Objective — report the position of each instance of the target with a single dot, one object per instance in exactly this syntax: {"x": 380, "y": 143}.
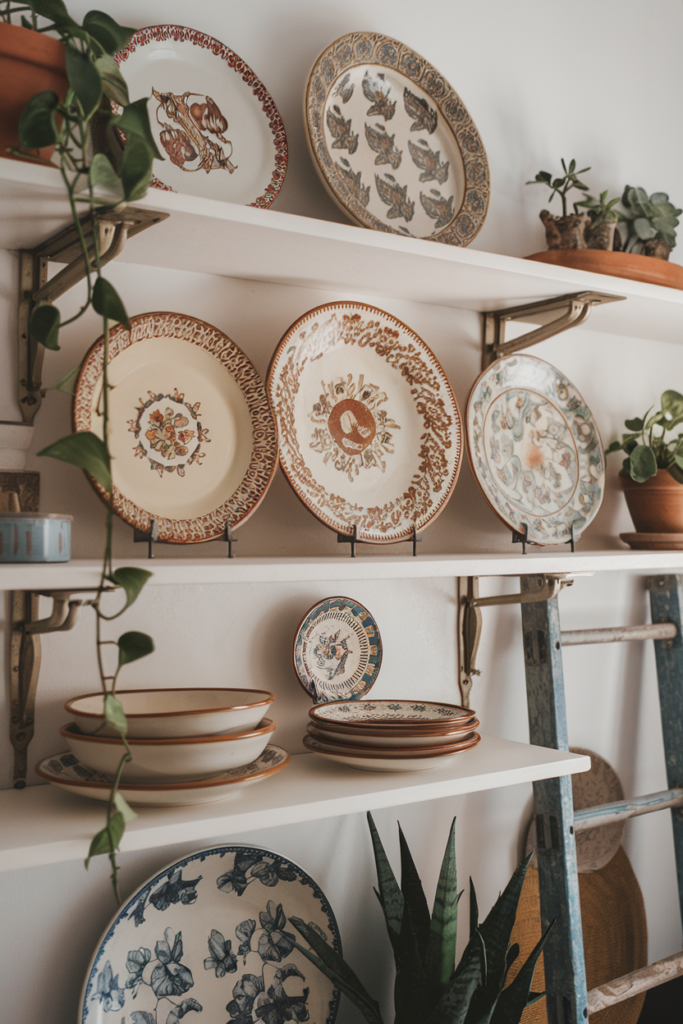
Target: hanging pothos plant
{"x": 94, "y": 78}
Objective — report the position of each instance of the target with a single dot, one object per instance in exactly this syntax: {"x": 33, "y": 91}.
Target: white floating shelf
{"x": 44, "y": 825}
{"x": 212, "y": 237}
{"x": 189, "y": 571}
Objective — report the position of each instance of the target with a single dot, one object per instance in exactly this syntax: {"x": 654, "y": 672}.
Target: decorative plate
{"x": 535, "y": 449}
{"x": 337, "y": 650}
{"x": 229, "y": 145}
{"x": 191, "y": 433}
{"x": 211, "y": 933}
{"x": 381, "y": 761}
{"x": 393, "y": 143}
{"x": 370, "y": 432}
{"x": 360, "y": 749}
{"x": 369, "y": 737}
{"x": 66, "y": 772}
{"x": 413, "y": 716}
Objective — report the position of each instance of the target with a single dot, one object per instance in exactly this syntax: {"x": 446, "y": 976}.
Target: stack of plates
{"x": 390, "y": 735}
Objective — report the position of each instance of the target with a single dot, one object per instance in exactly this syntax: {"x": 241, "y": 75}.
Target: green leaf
{"x": 614, "y": 447}
{"x": 134, "y": 645}
{"x": 103, "y": 175}
{"x": 634, "y": 424}
{"x": 44, "y": 326}
{"x": 124, "y": 807}
{"x": 132, "y": 580}
{"x": 37, "y": 126}
{"x": 107, "y": 841}
{"x": 643, "y": 463}
{"x": 454, "y": 1005}
{"x": 84, "y": 79}
{"x": 474, "y": 910}
{"x": 114, "y": 85}
{"x": 515, "y": 998}
{"x": 85, "y": 450}
{"x": 443, "y": 929}
{"x": 134, "y": 120}
{"x": 672, "y": 402}
{"x": 410, "y": 995}
{"x": 111, "y": 36}
{"x": 643, "y": 229}
{"x": 135, "y": 170}
{"x": 68, "y": 383}
{"x": 390, "y": 895}
{"x": 676, "y": 471}
{"x": 337, "y": 970}
{"x": 106, "y": 302}
{"x": 114, "y": 714}
{"x": 413, "y": 895}
{"x": 52, "y": 9}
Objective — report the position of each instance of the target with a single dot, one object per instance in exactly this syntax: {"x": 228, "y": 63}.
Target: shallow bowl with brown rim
{"x": 406, "y": 715}
{"x": 189, "y": 757}
{"x": 175, "y": 711}
{"x": 368, "y": 760}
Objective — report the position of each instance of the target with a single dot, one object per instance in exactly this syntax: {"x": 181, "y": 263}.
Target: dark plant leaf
{"x": 84, "y": 79}
{"x": 132, "y": 580}
{"x": 111, "y": 36}
{"x": 135, "y": 170}
{"x": 44, "y": 326}
{"x": 614, "y": 447}
{"x": 52, "y": 9}
{"x": 37, "y": 126}
{"x": 134, "y": 645}
{"x": 515, "y": 998}
{"x": 676, "y": 471}
{"x": 443, "y": 931}
{"x": 85, "y": 450}
{"x": 411, "y": 998}
{"x": 672, "y": 402}
{"x": 107, "y": 302}
{"x": 114, "y": 714}
{"x": 103, "y": 175}
{"x": 390, "y": 895}
{"x": 134, "y": 120}
{"x": 634, "y": 424}
{"x": 474, "y": 910}
{"x": 643, "y": 463}
{"x": 114, "y": 85}
{"x": 455, "y": 1002}
{"x": 107, "y": 841}
{"x": 414, "y": 898}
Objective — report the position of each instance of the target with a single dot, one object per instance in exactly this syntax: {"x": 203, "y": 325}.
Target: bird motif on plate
{"x": 424, "y": 117}
{"x": 360, "y": 192}
{"x": 438, "y": 208}
{"x": 428, "y": 161}
{"x": 344, "y": 90}
{"x": 377, "y": 91}
{"x": 383, "y": 145}
{"x": 340, "y": 130}
{"x": 395, "y": 196}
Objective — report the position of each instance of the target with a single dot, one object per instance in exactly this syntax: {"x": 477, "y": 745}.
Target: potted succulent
{"x": 569, "y": 230}
{"x": 603, "y": 218}
{"x": 652, "y": 471}
{"x": 650, "y": 222}
{"x": 429, "y": 987}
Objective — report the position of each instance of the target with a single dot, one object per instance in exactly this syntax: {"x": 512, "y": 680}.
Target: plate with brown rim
{"x": 370, "y": 431}
{"x": 193, "y": 441}
{"x": 393, "y": 142}
{"x": 413, "y": 716}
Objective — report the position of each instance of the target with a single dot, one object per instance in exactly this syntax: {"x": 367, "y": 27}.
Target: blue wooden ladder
{"x": 568, "y": 1001}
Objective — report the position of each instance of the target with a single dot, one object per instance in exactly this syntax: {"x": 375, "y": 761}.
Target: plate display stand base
{"x": 151, "y": 537}
{"x": 523, "y": 538}
{"x": 352, "y": 539}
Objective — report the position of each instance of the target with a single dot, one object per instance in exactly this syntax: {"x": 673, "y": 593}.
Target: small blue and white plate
{"x": 209, "y": 939}
{"x": 337, "y": 650}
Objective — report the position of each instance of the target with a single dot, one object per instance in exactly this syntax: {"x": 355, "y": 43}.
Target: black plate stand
{"x": 343, "y": 538}
{"x": 523, "y": 538}
{"x": 151, "y": 538}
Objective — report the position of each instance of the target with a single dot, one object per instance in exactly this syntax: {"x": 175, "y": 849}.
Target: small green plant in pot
{"x": 600, "y": 233}
{"x": 652, "y": 471}
{"x": 650, "y": 222}
{"x": 429, "y": 988}
{"x": 569, "y": 230}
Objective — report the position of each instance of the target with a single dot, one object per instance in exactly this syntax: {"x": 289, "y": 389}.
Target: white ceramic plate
{"x": 192, "y": 437}
{"x": 410, "y": 715}
{"x": 337, "y": 650}
{"x": 210, "y": 937}
{"x": 393, "y": 142}
{"x": 535, "y": 449}
{"x": 65, "y": 771}
{"x": 367, "y": 738}
{"x": 176, "y": 711}
{"x": 213, "y": 121}
{"x": 370, "y": 431}
{"x": 374, "y": 761}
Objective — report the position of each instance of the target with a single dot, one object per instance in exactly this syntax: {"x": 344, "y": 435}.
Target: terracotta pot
{"x": 30, "y": 62}
{"x": 618, "y": 264}
{"x": 657, "y": 505}
{"x": 565, "y": 232}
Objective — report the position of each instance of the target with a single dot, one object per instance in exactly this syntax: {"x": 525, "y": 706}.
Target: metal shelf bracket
{"x": 552, "y": 315}
{"x": 113, "y": 228}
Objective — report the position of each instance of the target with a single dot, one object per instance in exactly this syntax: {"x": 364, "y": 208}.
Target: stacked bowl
{"x": 390, "y": 735}
{"x": 188, "y": 744}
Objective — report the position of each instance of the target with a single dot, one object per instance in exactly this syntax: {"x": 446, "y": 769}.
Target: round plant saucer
{"x": 619, "y": 264}
{"x": 653, "y": 541}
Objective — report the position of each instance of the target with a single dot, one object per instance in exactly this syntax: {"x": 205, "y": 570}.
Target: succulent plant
{"x": 647, "y": 219}
{"x": 601, "y": 209}
{"x": 429, "y": 988}
{"x": 648, "y": 451}
{"x": 561, "y": 186}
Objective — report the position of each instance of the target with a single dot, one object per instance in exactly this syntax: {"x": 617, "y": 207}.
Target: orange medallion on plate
{"x": 352, "y": 425}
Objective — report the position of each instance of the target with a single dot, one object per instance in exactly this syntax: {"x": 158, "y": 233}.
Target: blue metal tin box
{"x": 35, "y": 537}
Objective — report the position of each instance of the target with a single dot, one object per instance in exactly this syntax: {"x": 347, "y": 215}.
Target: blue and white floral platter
{"x": 209, "y": 938}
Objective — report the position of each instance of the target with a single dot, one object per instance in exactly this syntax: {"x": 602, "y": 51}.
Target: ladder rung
{"x": 620, "y": 810}
{"x": 634, "y": 983}
{"x": 655, "y": 631}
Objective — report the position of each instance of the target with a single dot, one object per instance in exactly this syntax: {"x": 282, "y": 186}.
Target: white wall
{"x": 540, "y": 83}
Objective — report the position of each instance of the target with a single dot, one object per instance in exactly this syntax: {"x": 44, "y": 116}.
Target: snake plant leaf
{"x": 114, "y": 714}
{"x": 410, "y": 993}
{"x": 111, "y": 36}
{"x": 454, "y": 1005}
{"x": 107, "y": 841}
{"x": 107, "y": 302}
{"x": 135, "y": 170}
{"x": 474, "y": 910}
{"x": 134, "y": 120}
{"x": 414, "y": 898}
{"x": 517, "y": 996}
{"x": 337, "y": 970}
{"x": 643, "y": 463}
{"x": 37, "y": 127}
{"x": 390, "y": 895}
{"x": 443, "y": 929}
{"x": 44, "y": 326}
{"x": 132, "y": 580}
{"x": 85, "y": 450}
{"x": 84, "y": 79}
{"x": 134, "y": 645}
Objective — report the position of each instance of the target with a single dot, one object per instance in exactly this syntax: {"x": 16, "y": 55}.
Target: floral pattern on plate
{"x": 393, "y": 142}
{"x": 535, "y": 449}
{"x": 393, "y": 711}
{"x": 210, "y": 937}
{"x": 337, "y": 650}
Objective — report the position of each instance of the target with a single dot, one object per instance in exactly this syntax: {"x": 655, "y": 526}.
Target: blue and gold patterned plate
{"x": 209, "y": 939}
{"x": 535, "y": 449}
{"x": 337, "y": 650}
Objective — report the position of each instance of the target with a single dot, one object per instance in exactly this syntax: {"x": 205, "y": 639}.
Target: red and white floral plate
{"x": 192, "y": 438}
{"x": 370, "y": 431}
{"x": 212, "y": 119}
